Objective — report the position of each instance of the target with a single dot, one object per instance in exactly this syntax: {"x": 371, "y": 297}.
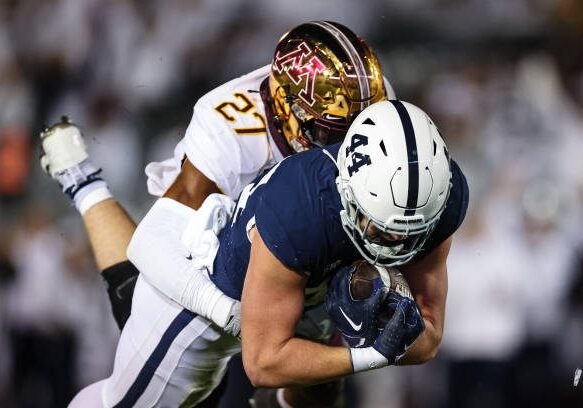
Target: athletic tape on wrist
{"x": 203, "y": 297}
{"x": 98, "y": 194}
{"x": 367, "y": 358}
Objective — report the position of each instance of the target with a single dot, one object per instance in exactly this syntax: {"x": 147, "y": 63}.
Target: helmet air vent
{"x": 383, "y": 148}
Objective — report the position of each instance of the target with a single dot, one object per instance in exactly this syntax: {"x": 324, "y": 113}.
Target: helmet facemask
{"x": 379, "y": 243}
{"x": 304, "y": 128}
{"x": 316, "y": 129}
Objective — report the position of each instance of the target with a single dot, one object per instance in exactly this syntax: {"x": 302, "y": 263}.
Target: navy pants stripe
{"x": 147, "y": 372}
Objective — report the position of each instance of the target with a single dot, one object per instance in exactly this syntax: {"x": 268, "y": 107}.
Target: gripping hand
{"x": 399, "y": 332}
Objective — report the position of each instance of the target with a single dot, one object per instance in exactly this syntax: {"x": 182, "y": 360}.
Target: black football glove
{"x": 401, "y": 330}
{"x": 357, "y": 320}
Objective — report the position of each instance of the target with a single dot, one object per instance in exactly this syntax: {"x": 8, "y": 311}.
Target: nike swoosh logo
{"x": 402, "y": 355}
{"x": 120, "y": 288}
{"x": 189, "y": 257}
{"x": 354, "y": 325}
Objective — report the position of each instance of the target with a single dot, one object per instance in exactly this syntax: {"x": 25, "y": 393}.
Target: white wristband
{"x": 90, "y": 195}
{"x": 367, "y": 358}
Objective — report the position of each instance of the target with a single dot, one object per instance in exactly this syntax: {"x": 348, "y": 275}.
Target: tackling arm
{"x": 191, "y": 187}
{"x": 158, "y": 252}
{"x": 271, "y": 305}
{"x": 427, "y": 279}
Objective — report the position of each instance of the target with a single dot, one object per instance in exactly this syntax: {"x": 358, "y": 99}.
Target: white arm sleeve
{"x": 159, "y": 253}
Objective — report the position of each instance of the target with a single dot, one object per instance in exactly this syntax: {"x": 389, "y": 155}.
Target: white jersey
{"x": 228, "y": 139}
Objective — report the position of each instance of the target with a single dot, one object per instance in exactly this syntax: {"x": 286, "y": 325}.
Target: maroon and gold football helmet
{"x": 322, "y": 76}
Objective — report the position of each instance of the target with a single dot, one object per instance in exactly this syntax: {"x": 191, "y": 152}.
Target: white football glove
{"x": 233, "y": 326}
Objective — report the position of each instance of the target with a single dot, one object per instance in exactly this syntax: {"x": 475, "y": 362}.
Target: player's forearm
{"x": 157, "y": 251}
{"x": 110, "y": 229}
{"x": 424, "y": 348}
{"x": 296, "y": 362}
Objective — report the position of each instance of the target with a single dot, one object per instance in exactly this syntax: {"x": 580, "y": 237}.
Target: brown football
{"x": 361, "y": 281}
{"x": 361, "y": 284}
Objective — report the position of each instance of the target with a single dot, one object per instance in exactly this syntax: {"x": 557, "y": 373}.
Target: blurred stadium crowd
{"x": 502, "y": 79}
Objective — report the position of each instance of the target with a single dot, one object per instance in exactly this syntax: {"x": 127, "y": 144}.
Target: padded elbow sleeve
{"x": 120, "y": 280}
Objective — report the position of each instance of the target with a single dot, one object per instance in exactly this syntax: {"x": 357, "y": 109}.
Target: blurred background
{"x": 503, "y": 79}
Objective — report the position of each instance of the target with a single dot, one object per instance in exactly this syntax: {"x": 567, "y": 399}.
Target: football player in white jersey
{"x": 321, "y": 76}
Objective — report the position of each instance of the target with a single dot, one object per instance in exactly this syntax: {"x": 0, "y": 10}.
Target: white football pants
{"x": 166, "y": 356}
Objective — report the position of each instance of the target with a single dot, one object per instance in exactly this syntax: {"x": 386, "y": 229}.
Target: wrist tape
{"x": 367, "y": 358}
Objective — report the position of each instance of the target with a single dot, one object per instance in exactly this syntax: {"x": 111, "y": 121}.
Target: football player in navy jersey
{"x": 396, "y": 199}
{"x": 389, "y": 194}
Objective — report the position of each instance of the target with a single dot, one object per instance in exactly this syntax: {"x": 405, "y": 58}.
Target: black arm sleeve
{"x": 120, "y": 280}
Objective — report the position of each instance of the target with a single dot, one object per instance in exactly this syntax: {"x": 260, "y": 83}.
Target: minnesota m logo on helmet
{"x": 293, "y": 64}
{"x": 322, "y": 76}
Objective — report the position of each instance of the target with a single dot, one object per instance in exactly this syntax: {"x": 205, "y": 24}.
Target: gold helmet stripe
{"x": 354, "y": 57}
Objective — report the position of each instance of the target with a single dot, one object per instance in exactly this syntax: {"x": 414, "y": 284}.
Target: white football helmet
{"x": 394, "y": 181}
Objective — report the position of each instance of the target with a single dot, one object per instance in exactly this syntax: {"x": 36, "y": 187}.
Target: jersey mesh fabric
{"x": 297, "y": 214}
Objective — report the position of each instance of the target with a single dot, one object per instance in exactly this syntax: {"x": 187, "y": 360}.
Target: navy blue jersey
{"x": 296, "y": 209}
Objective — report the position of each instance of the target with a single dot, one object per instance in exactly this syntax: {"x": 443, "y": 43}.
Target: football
{"x": 361, "y": 284}
{"x": 361, "y": 281}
